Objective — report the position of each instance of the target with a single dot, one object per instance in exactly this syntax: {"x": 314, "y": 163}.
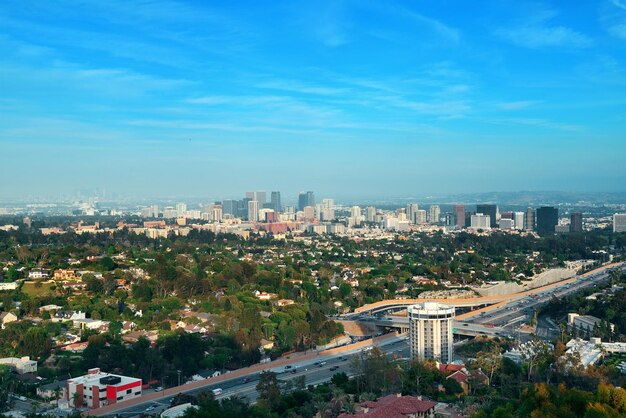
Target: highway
{"x": 496, "y": 319}
{"x": 315, "y": 368}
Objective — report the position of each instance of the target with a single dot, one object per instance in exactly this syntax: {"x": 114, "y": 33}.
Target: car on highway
{"x": 158, "y": 389}
{"x": 246, "y": 379}
{"x": 150, "y": 408}
{"x": 217, "y": 392}
{"x": 332, "y": 369}
{"x": 321, "y": 364}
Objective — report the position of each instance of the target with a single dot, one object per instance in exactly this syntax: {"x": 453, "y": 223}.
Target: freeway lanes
{"x": 233, "y": 383}
{"x": 479, "y": 301}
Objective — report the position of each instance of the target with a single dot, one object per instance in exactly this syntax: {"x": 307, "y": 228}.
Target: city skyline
{"x": 349, "y": 99}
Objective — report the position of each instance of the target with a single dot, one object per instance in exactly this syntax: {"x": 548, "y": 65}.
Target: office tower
{"x": 430, "y": 331}
{"x": 155, "y": 211}
{"x": 327, "y": 214}
{"x": 506, "y": 215}
{"x": 576, "y": 222}
{"x": 181, "y": 208}
{"x": 229, "y": 206}
{"x": 619, "y": 222}
{"x": 146, "y": 212}
{"x": 309, "y": 213}
{"x": 459, "y": 212}
{"x": 480, "y": 221}
{"x": 259, "y": 196}
{"x": 529, "y": 220}
{"x": 491, "y": 210}
{"x": 433, "y": 213}
{"x": 411, "y": 209}
{"x": 420, "y": 216}
{"x": 518, "y": 220}
{"x": 450, "y": 219}
{"x": 328, "y": 203}
{"x": 355, "y": 215}
{"x": 370, "y": 214}
{"x": 169, "y": 212}
{"x": 275, "y": 201}
{"x": 506, "y": 223}
{"x": 253, "y": 211}
{"x": 305, "y": 199}
{"x": 547, "y": 219}
{"x": 290, "y": 209}
{"x": 216, "y": 213}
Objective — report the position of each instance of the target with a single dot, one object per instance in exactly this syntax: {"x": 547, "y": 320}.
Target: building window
{"x": 129, "y": 391}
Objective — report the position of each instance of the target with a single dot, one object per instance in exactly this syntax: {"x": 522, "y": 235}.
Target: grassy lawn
{"x": 33, "y": 289}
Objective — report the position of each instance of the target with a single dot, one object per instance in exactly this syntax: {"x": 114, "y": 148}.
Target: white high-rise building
{"x": 216, "y": 213}
{"x": 411, "y": 209}
{"x": 253, "y": 211}
{"x": 309, "y": 213}
{"x": 181, "y": 208}
{"x": 420, "y": 217}
{"x": 328, "y": 203}
{"x": 480, "y": 221}
{"x": 355, "y": 215}
{"x": 430, "y": 331}
{"x": 619, "y": 222}
{"x": 370, "y": 214}
{"x": 518, "y": 220}
{"x": 433, "y": 213}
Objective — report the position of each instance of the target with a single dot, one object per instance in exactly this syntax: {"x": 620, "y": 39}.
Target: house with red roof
{"x": 395, "y": 406}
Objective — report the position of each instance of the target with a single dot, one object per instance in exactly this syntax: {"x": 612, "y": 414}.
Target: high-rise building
{"x": 480, "y": 221}
{"x": 529, "y": 220}
{"x": 229, "y": 207}
{"x": 355, "y": 215}
{"x": 309, "y": 213}
{"x": 430, "y": 331}
{"x": 181, "y": 208}
{"x": 619, "y": 222}
{"x": 433, "y": 214}
{"x": 491, "y": 210}
{"x": 306, "y": 199}
{"x": 506, "y": 223}
{"x": 275, "y": 201}
{"x": 459, "y": 212}
{"x": 328, "y": 203}
{"x": 216, "y": 213}
{"x": 420, "y": 216}
{"x": 370, "y": 214}
{"x": 547, "y": 219}
{"x": 411, "y": 209}
{"x": 518, "y": 220}
{"x": 576, "y": 222}
{"x": 253, "y": 211}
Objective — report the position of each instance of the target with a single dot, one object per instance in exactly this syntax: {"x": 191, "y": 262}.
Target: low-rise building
{"x": 96, "y": 389}
{"x": 20, "y": 365}
{"x": 395, "y": 406}
{"x": 585, "y": 323}
{"x": 6, "y": 318}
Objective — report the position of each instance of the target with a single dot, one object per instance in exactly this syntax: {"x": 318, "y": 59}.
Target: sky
{"x": 347, "y": 98}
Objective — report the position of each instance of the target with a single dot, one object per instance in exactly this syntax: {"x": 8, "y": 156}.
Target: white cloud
{"x": 536, "y": 31}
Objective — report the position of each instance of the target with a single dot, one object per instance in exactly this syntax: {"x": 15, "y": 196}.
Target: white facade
{"x": 480, "y": 221}
{"x": 504, "y": 223}
{"x": 96, "y": 389}
{"x": 253, "y": 211}
{"x": 433, "y": 213}
{"x": 619, "y": 222}
{"x": 430, "y": 331}
{"x": 518, "y": 219}
{"x": 20, "y": 365}
{"x": 420, "y": 216}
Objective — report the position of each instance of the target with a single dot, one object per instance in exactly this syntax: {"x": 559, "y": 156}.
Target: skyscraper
{"x": 229, "y": 206}
{"x": 253, "y": 211}
{"x": 275, "y": 201}
{"x": 547, "y": 219}
{"x": 518, "y": 220}
{"x": 576, "y": 222}
{"x": 370, "y": 214}
{"x": 411, "y": 209}
{"x": 529, "y": 220}
{"x": 430, "y": 331}
{"x": 306, "y": 199}
{"x": 459, "y": 211}
{"x": 433, "y": 213}
{"x": 619, "y": 222}
{"x": 355, "y": 215}
{"x": 480, "y": 221}
{"x": 491, "y": 210}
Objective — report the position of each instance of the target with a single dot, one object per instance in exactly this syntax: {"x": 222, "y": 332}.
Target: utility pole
{"x": 178, "y": 377}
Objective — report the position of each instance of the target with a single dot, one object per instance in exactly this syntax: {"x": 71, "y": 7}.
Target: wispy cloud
{"x": 517, "y": 105}
{"x": 538, "y": 31}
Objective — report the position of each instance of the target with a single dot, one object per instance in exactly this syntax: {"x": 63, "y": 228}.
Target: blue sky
{"x": 342, "y": 97}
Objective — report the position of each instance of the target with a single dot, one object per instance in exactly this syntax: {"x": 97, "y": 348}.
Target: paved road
{"x": 233, "y": 383}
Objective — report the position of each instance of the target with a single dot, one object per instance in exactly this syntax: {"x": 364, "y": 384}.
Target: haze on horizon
{"x": 345, "y": 98}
